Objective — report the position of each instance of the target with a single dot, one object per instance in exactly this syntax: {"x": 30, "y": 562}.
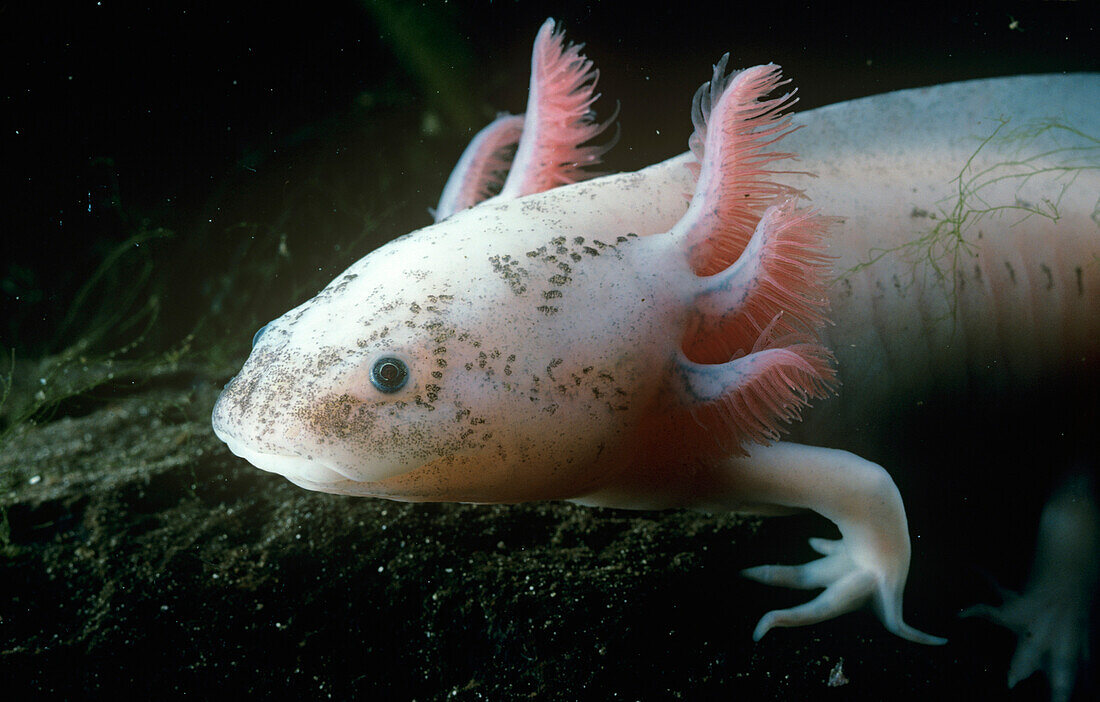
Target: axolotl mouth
{"x": 316, "y": 474}
{"x": 304, "y": 471}
{"x": 414, "y": 485}
{"x": 300, "y": 470}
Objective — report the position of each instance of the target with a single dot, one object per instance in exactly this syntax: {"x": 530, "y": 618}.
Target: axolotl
{"x": 642, "y": 340}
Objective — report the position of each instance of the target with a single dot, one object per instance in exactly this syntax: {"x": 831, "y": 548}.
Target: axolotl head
{"x": 538, "y": 346}
{"x": 449, "y": 365}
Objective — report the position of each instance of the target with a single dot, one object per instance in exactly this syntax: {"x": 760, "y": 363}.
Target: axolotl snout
{"x": 640, "y": 340}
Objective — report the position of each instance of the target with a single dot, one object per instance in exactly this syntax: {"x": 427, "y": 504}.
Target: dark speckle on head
{"x": 338, "y": 416}
{"x": 509, "y": 269}
{"x": 551, "y": 366}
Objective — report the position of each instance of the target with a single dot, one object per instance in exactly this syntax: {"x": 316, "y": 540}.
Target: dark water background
{"x": 332, "y": 126}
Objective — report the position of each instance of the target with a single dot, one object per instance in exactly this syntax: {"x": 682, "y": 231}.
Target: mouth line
{"x": 299, "y": 469}
{"x": 312, "y": 474}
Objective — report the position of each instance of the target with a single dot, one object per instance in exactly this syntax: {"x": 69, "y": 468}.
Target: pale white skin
{"x": 1032, "y": 305}
{"x": 493, "y": 310}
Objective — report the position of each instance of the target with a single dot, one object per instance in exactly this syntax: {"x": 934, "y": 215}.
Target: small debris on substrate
{"x": 139, "y": 555}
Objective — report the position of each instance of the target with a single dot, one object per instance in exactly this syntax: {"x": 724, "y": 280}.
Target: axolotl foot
{"x": 1051, "y": 617}
{"x": 852, "y": 575}
{"x": 868, "y": 564}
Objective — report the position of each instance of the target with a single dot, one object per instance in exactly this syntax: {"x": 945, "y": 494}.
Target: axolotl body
{"x": 640, "y": 340}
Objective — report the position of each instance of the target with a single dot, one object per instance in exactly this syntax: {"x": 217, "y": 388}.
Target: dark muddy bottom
{"x": 142, "y": 558}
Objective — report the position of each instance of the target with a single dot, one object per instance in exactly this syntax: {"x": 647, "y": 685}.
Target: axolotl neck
{"x": 519, "y": 324}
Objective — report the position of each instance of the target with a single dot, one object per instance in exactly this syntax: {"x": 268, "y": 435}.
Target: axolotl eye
{"x": 389, "y": 374}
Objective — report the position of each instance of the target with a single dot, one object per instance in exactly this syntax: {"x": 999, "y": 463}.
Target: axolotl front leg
{"x": 868, "y": 564}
